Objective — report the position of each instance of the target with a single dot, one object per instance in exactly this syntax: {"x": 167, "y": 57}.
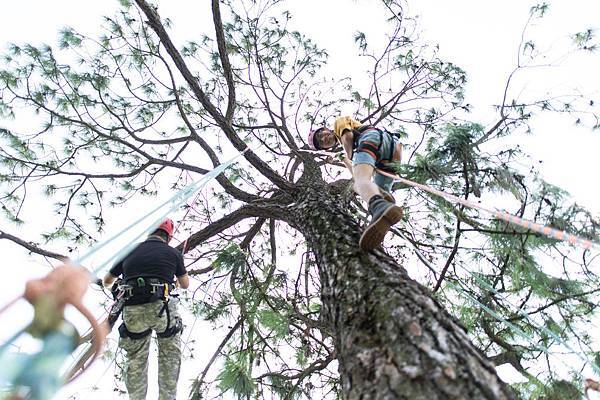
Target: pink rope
{"x": 504, "y": 216}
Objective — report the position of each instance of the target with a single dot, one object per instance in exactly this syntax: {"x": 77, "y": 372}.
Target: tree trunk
{"x": 392, "y": 339}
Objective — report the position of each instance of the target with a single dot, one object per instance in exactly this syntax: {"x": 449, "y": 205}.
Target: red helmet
{"x": 167, "y": 226}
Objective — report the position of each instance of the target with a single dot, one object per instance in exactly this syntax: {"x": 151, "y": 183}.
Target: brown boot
{"x": 387, "y": 196}
{"x": 384, "y": 214}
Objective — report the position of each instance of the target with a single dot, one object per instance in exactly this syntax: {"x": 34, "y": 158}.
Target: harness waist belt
{"x": 145, "y": 290}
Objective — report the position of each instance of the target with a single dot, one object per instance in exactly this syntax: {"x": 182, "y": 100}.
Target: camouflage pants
{"x": 139, "y": 318}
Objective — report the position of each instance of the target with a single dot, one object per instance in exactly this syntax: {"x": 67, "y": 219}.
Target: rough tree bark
{"x": 392, "y": 339}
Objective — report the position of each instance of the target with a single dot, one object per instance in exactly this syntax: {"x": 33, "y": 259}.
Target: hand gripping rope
{"x": 67, "y": 284}
{"x": 49, "y": 296}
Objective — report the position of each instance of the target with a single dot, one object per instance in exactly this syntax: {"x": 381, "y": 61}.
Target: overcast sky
{"x": 482, "y": 37}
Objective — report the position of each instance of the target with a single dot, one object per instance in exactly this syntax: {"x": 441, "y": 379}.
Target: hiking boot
{"x": 387, "y": 196}
{"x": 384, "y": 214}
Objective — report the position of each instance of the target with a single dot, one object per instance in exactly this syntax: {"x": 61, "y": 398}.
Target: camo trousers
{"x": 139, "y": 318}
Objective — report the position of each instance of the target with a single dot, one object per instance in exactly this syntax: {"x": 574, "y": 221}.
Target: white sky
{"x": 481, "y": 37}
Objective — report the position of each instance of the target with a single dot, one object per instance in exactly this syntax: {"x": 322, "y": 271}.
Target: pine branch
{"x": 32, "y": 247}
{"x": 156, "y": 24}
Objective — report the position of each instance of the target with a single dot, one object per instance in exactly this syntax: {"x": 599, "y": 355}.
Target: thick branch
{"x": 224, "y": 60}
{"x": 236, "y": 141}
{"x": 252, "y": 233}
{"x": 32, "y": 248}
{"x": 265, "y": 210}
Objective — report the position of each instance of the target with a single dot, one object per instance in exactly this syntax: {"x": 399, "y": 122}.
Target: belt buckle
{"x": 127, "y": 289}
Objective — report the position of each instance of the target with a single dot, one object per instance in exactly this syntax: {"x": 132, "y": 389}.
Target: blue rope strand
{"x": 176, "y": 200}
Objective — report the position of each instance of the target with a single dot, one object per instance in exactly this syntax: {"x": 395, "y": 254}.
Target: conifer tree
{"x": 303, "y": 312}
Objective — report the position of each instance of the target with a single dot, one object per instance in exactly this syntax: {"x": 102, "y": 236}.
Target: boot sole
{"x": 375, "y": 232}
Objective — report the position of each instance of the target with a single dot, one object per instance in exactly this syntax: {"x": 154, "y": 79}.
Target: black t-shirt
{"x": 152, "y": 258}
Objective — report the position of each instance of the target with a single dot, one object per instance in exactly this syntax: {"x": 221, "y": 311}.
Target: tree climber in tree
{"x": 370, "y": 149}
{"x": 148, "y": 276}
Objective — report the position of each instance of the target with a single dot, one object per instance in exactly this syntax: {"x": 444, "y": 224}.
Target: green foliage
{"x": 235, "y": 376}
{"x": 283, "y": 387}
{"x": 539, "y": 10}
{"x": 467, "y": 315}
{"x": 583, "y": 40}
{"x": 213, "y": 313}
{"x": 69, "y": 38}
{"x": 275, "y": 322}
{"x": 361, "y": 40}
{"x": 60, "y": 233}
{"x": 505, "y": 180}
{"x": 315, "y": 307}
{"x": 557, "y": 390}
{"x": 229, "y": 258}
{"x": 16, "y": 143}
{"x": 301, "y": 358}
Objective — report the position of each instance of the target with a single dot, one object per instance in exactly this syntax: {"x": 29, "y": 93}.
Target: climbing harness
{"x": 67, "y": 284}
{"x": 147, "y": 290}
{"x": 142, "y": 290}
{"x": 375, "y": 149}
{"x": 156, "y": 292}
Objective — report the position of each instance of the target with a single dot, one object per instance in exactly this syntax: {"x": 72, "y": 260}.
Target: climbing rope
{"x": 504, "y": 216}
{"x": 547, "y": 231}
{"x": 544, "y": 230}
{"x": 171, "y": 205}
{"x": 67, "y": 284}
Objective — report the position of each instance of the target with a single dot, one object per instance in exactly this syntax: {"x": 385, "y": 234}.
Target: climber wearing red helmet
{"x": 168, "y": 227}
{"x": 148, "y": 276}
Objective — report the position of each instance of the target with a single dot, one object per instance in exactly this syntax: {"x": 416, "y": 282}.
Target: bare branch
{"x": 238, "y": 143}
{"x": 32, "y": 247}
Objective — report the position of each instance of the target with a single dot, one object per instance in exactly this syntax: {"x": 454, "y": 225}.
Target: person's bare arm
{"x": 347, "y": 162}
{"x": 347, "y": 145}
{"x": 400, "y": 148}
{"x": 183, "y": 281}
{"x": 108, "y": 279}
